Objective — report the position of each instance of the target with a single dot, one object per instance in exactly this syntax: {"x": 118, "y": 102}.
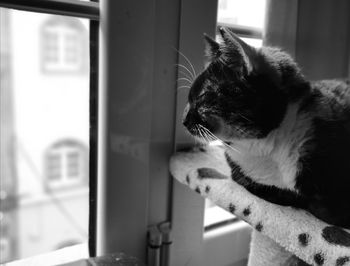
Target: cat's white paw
{"x": 181, "y": 163}
{"x": 195, "y": 180}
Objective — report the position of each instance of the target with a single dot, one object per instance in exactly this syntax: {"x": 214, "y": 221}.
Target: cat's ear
{"x": 212, "y": 48}
{"x": 238, "y": 52}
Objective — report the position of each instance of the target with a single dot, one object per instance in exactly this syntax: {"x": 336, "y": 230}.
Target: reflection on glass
{"x": 231, "y": 13}
{"x": 44, "y": 133}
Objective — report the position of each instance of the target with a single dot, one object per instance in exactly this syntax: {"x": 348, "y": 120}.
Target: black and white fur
{"x": 287, "y": 139}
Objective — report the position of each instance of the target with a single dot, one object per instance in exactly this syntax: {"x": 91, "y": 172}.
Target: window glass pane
{"x": 54, "y": 166}
{"x": 44, "y": 128}
{"x": 249, "y": 13}
{"x": 73, "y": 164}
{"x": 232, "y": 13}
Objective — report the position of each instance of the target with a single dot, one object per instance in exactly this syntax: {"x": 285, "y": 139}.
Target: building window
{"x": 71, "y": 49}
{"x": 54, "y": 166}
{"x": 66, "y": 164}
{"x": 73, "y": 164}
{"x": 51, "y": 47}
{"x": 63, "y": 44}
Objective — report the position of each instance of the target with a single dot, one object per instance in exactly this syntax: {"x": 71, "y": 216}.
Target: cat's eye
{"x": 202, "y": 95}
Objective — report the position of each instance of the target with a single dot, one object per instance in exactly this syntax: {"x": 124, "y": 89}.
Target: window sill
{"x": 76, "y": 256}
{"x": 216, "y": 215}
{"x": 61, "y": 256}
{"x": 227, "y": 245}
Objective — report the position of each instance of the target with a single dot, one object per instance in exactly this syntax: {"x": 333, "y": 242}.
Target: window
{"x": 50, "y": 46}
{"x": 249, "y": 14}
{"x": 48, "y": 127}
{"x": 53, "y": 167}
{"x": 72, "y": 48}
{"x": 63, "y": 42}
{"x": 66, "y": 164}
{"x": 73, "y": 165}
{"x": 136, "y": 126}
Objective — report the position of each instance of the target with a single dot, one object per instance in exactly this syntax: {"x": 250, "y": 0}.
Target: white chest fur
{"x": 274, "y": 160}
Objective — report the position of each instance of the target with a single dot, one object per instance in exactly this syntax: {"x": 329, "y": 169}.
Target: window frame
{"x": 129, "y": 186}
{"x": 73, "y": 8}
{"x": 156, "y": 197}
{"x": 184, "y": 209}
{"x": 89, "y": 10}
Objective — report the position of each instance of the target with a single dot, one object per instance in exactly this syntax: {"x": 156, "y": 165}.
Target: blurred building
{"x": 44, "y": 133}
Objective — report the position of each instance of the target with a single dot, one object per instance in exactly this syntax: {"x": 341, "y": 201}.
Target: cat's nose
{"x": 191, "y": 118}
{"x": 187, "y": 121}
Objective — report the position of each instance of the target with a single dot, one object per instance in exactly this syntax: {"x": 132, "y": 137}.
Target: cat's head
{"x": 243, "y": 92}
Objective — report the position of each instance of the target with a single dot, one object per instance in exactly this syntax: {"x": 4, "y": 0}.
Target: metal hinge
{"x": 158, "y": 244}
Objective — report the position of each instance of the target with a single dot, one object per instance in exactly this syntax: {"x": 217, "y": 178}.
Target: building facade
{"x": 44, "y": 133}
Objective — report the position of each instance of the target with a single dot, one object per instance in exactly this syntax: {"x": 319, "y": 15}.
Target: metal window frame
{"x": 75, "y": 8}
{"x": 93, "y": 145}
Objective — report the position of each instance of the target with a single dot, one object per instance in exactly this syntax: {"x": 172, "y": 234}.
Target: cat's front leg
{"x": 269, "y": 193}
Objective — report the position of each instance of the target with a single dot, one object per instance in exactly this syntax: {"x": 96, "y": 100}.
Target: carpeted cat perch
{"x": 281, "y": 233}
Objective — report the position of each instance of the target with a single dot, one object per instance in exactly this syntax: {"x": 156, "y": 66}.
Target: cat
{"x": 286, "y": 139}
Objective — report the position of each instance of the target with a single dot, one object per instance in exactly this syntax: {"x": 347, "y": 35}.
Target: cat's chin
{"x": 201, "y": 140}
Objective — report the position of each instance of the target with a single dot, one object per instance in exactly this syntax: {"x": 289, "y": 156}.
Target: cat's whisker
{"x": 208, "y": 134}
{"x": 232, "y": 148}
{"x": 188, "y": 61}
{"x": 202, "y": 135}
{"x": 186, "y": 75}
{"x": 213, "y": 140}
{"x": 185, "y": 79}
{"x": 210, "y": 137}
{"x": 196, "y": 141}
{"x": 184, "y": 67}
{"x": 207, "y": 138}
{"x": 217, "y": 138}
{"x": 183, "y": 87}
{"x": 244, "y": 117}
